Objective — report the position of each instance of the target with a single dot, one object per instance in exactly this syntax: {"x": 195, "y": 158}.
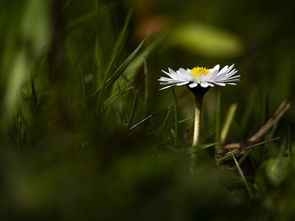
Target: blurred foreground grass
{"x": 86, "y": 134}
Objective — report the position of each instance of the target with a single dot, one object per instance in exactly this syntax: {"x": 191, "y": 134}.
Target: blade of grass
{"x": 245, "y": 155}
{"x": 114, "y": 97}
{"x": 218, "y": 97}
{"x": 140, "y": 58}
{"x": 81, "y": 19}
{"x": 242, "y": 176}
{"x": 34, "y": 96}
{"x": 175, "y": 117}
{"x": 119, "y": 43}
{"x": 247, "y": 148}
{"x": 142, "y": 121}
{"x": 217, "y": 116}
{"x": 209, "y": 133}
{"x": 272, "y": 121}
{"x": 82, "y": 83}
{"x": 134, "y": 107}
{"x": 229, "y": 118}
{"x": 186, "y": 119}
{"x": 289, "y": 143}
{"x": 165, "y": 122}
{"x": 146, "y": 86}
{"x": 112, "y": 79}
{"x": 201, "y": 147}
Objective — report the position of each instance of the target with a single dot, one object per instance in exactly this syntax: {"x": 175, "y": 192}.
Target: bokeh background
{"x": 85, "y": 133}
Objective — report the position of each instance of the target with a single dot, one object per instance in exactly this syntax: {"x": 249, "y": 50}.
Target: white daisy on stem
{"x": 200, "y": 76}
{"x": 199, "y": 80}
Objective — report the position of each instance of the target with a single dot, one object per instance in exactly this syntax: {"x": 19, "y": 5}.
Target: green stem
{"x": 198, "y": 107}
{"x": 199, "y": 93}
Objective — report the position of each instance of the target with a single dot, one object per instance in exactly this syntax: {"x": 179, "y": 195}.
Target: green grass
{"x": 87, "y": 135}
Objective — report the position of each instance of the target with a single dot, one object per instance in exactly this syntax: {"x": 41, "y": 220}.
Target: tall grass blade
{"x": 217, "y": 116}
{"x": 165, "y": 121}
{"x": 176, "y": 114}
{"x": 142, "y": 121}
{"x": 229, "y": 118}
{"x": 113, "y": 77}
{"x": 134, "y": 108}
{"x": 119, "y": 44}
{"x": 243, "y": 176}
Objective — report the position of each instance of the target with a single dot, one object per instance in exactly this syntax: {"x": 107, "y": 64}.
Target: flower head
{"x": 200, "y": 76}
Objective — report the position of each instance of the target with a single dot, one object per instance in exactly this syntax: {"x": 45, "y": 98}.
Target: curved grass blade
{"x": 112, "y": 79}
{"x": 119, "y": 43}
{"x": 142, "y": 121}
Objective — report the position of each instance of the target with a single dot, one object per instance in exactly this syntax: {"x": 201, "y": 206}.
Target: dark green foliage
{"x": 85, "y": 133}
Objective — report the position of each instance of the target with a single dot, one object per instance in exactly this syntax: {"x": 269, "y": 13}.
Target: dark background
{"x": 85, "y": 133}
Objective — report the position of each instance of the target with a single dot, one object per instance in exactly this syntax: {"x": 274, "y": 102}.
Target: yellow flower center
{"x": 196, "y": 71}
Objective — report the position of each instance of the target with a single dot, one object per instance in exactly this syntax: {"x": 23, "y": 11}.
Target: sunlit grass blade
{"x": 228, "y": 121}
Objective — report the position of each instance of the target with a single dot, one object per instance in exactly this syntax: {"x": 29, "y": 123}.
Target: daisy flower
{"x": 199, "y": 80}
{"x": 200, "y": 76}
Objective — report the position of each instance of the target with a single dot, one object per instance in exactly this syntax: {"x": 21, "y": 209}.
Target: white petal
{"x": 171, "y": 71}
{"x": 223, "y": 70}
{"x": 192, "y": 85}
{"x": 204, "y": 84}
{"x": 201, "y": 77}
{"x": 182, "y": 83}
{"x": 180, "y": 70}
{"x": 229, "y": 74}
{"x": 168, "y": 74}
{"x": 167, "y": 87}
{"x": 166, "y": 83}
{"x": 216, "y": 68}
{"x": 164, "y": 79}
{"x": 219, "y": 83}
{"x": 230, "y": 67}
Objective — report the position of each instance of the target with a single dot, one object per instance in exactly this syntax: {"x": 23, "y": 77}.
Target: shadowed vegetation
{"x": 85, "y": 133}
